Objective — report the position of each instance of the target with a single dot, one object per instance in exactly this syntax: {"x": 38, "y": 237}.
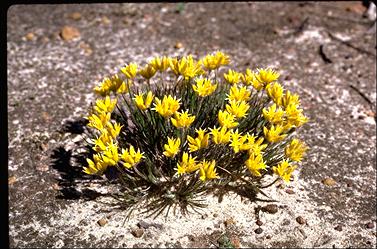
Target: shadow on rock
{"x": 70, "y": 165}
{"x": 75, "y": 126}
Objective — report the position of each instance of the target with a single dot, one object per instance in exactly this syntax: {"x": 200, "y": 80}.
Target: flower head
{"x": 105, "y": 105}
{"x": 273, "y": 134}
{"x": 295, "y": 116}
{"x": 96, "y": 167}
{"x": 160, "y": 64}
{"x": 187, "y": 164}
{"x": 204, "y": 87}
{"x": 227, "y": 119}
{"x": 147, "y": 72}
{"x": 284, "y": 170}
{"x": 129, "y": 70}
{"x": 295, "y": 150}
{"x": 167, "y": 107}
{"x": 112, "y": 84}
{"x": 232, "y": 77}
{"x": 239, "y": 94}
{"x": 273, "y": 115}
{"x": 237, "y": 108}
{"x": 99, "y": 121}
{"x": 255, "y": 163}
{"x": 248, "y": 77}
{"x": 131, "y": 157}
{"x": 142, "y": 103}
{"x": 207, "y": 170}
{"x": 212, "y": 62}
{"x": 182, "y": 120}
{"x": 275, "y": 92}
{"x": 201, "y": 141}
{"x": 290, "y": 99}
{"x": 172, "y": 147}
{"x": 187, "y": 67}
{"x": 220, "y": 135}
{"x": 110, "y": 155}
{"x": 266, "y": 76}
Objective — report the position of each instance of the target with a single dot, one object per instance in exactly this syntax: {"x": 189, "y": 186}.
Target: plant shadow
{"x": 69, "y": 166}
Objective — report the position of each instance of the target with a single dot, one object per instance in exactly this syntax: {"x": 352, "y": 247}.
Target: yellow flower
{"x": 295, "y": 116}
{"x": 232, "y": 77}
{"x": 295, "y": 150}
{"x": 130, "y": 157}
{"x": 237, "y": 140}
{"x": 255, "y": 147}
{"x": 212, "y": 62}
{"x": 266, "y": 76}
{"x": 141, "y": 103}
{"x": 113, "y": 129}
{"x": 187, "y": 164}
{"x": 207, "y": 170}
{"x": 97, "y": 167}
{"x": 275, "y": 92}
{"x": 204, "y": 87}
{"x": 290, "y": 99}
{"x": 182, "y": 120}
{"x": 284, "y": 170}
{"x": 130, "y": 70}
{"x": 186, "y": 67}
{"x": 220, "y": 135}
{"x": 255, "y": 163}
{"x": 172, "y": 147}
{"x": 273, "y": 134}
{"x": 201, "y": 141}
{"x": 237, "y": 108}
{"x": 147, "y": 72}
{"x": 105, "y": 105}
{"x": 110, "y": 155}
{"x": 239, "y": 94}
{"x": 272, "y": 115}
{"x": 167, "y": 107}
{"x": 248, "y": 77}
{"x": 98, "y": 121}
{"x": 101, "y": 143}
{"x": 160, "y": 64}
{"x": 104, "y": 88}
{"x": 227, "y": 119}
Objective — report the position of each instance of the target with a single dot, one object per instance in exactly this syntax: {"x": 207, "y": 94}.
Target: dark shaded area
{"x": 71, "y": 176}
{"x": 76, "y": 126}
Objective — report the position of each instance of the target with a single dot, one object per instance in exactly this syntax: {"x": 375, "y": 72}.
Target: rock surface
{"x": 56, "y": 77}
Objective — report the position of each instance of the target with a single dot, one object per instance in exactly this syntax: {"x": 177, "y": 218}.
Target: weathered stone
{"x": 300, "y": 220}
{"x": 270, "y": 208}
{"x": 75, "y": 16}
{"x": 258, "y": 230}
{"x": 329, "y": 181}
{"x": 69, "y": 33}
{"x": 178, "y": 45}
{"x": 102, "y": 222}
{"x": 259, "y": 222}
{"x": 137, "y": 232}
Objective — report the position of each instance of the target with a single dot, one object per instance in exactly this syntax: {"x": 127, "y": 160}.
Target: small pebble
{"x": 300, "y": 220}
{"x": 30, "y": 36}
{"x": 268, "y": 237}
{"x": 229, "y": 222}
{"x": 68, "y": 33}
{"x": 370, "y": 225}
{"x": 12, "y": 180}
{"x": 286, "y": 222}
{"x": 270, "y": 208}
{"x": 289, "y": 191}
{"x": 191, "y": 237}
{"x": 105, "y": 20}
{"x": 215, "y": 215}
{"x": 75, "y": 16}
{"x": 235, "y": 242}
{"x": 137, "y": 232}
{"x": 258, "y": 230}
{"x": 178, "y": 45}
{"x": 259, "y": 222}
{"x": 102, "y": 222}
{"x": 42, "y": 167}
{"x": 329, "y": 181}
{"x": 338, "y": 228}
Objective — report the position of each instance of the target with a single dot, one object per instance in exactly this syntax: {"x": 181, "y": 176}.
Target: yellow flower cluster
{"x": 112, "y": 84}
{"x": 283, "y": 114}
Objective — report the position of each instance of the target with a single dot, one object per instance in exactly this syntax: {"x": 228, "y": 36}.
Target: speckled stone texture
{"x": 50, "y": 80}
